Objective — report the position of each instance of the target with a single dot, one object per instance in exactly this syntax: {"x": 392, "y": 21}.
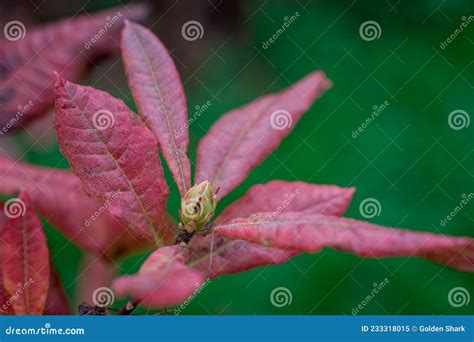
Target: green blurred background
{"x": 408, "y": 158}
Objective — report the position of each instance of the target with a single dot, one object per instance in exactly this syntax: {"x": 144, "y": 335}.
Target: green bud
{"x": 197, "y": 207}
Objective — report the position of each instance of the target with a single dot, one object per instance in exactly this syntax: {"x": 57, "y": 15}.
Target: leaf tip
{"x": 138, "y": 11}
{"x": 60, "y": 81}
{"x": 327, "y": 83}
{"x": 119, "y": 286}
{"x": 351, "y": 190}
{"x": 321, "y": 81}
{"x": 129, "y": 24}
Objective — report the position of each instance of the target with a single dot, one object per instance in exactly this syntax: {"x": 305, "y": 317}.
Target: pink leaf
{"x": 163, "y": 280}
{"x": 310, "y": 232}
{"x": 244, "y": 137}
{"x": 280, "y": 196}
{"x": 159, "y": 95}
{"x": 68, "y": 47}
{"x": 94, "y": 272}
{"x": 25, "y": 257}
{"x": 54, "y": 193}
{"x": 56, "y": 301}
{"x": 216, "y": 255}
{"x": 5, "y": 305}
{"x": 114, "y": 155}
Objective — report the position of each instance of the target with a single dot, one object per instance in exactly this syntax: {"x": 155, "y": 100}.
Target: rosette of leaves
{"x": 115, "y": 155}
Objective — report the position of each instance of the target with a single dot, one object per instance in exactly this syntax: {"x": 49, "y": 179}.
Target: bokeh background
{"x": 409, "y": 158}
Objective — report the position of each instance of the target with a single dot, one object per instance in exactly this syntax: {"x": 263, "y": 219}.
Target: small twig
{"x": 166, "y": 311}
{"x": 132, "y": 303}
{"x": 85, "y": 309}
{"x": 128, "y": 308}
{"x": 183, "y": 236}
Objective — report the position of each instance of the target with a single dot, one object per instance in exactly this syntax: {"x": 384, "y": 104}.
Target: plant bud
{"x": 197, "y": 207}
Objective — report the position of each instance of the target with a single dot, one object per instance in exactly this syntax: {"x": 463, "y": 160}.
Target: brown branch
{"x": 128, "y": 308}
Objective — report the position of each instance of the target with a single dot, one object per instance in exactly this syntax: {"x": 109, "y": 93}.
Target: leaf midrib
{"x": 165, "y": 113}
{"x": 236, "y": 143}
{"x": 279, "y": 222}
{"x": 151, "y": 226}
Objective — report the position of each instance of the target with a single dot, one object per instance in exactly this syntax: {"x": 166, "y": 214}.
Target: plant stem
{"x": 183, "y": 236}
{"x": 128, "y": 308}
{"x": 132, "y": 304}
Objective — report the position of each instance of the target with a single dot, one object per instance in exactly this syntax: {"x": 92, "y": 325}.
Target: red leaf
{"x": 280, "y": 196}
{"x": 310, "y": 232}
{"x": 54, "y": 193}
{"x": 25, "y": 257}
{"x": 68, "y": 47}
{"x": 220, "y": 255}
{"x": 216, "y": 255}
{"x": 244, "y": 137}
{"x": 163, "y": 280}
{"x": 5, "y": 305}
{"x": 94, "y": 272}
{"x": 56, "y": 301}
{"x": 114, "y": 155}
{"x": 159, "y": 95}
